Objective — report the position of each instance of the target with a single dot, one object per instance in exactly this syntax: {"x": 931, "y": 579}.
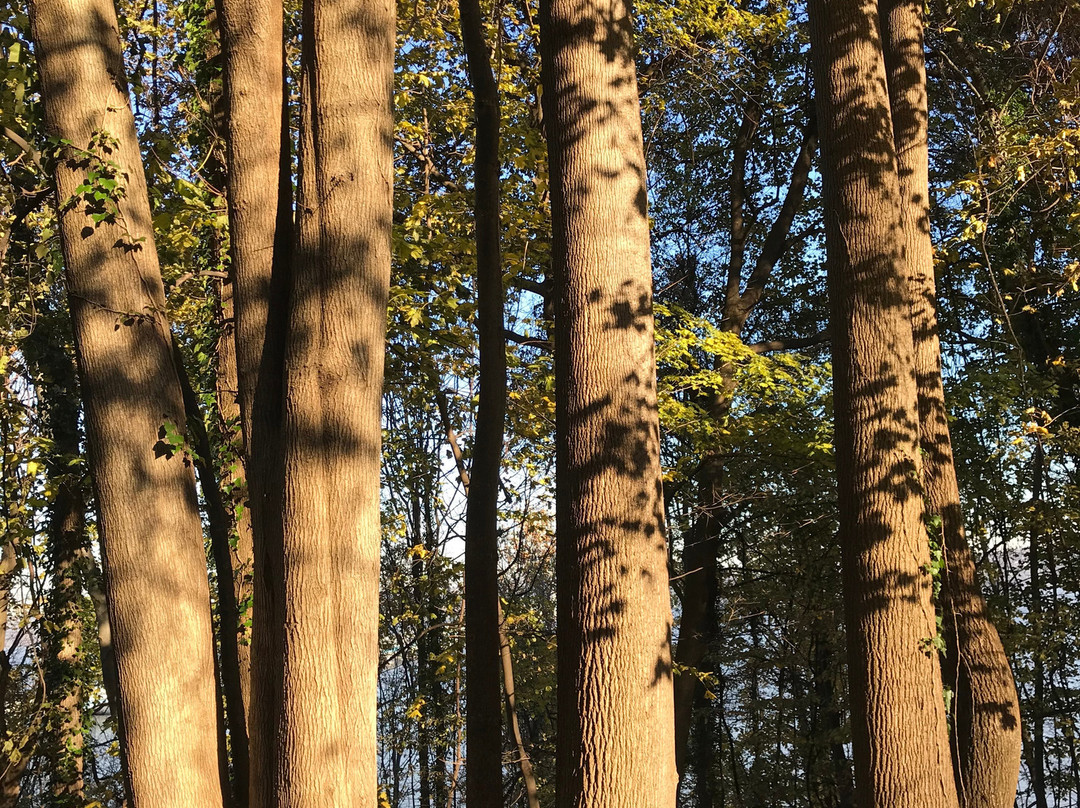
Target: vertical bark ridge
{"x": 986, "y": 731}
{"x": 614, "y": 609}
{"x": 900, "y": 737}
{"x": 152, "y": 540}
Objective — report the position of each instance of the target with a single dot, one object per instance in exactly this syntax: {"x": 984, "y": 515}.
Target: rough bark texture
{"x": 483, "y": 730}
{"x": 234, "y": 751}
{"x": 986, "y": 738}
{"x": 148, "y": 514}
{"x": 900, "y": 738}
{"x": 259, "y": 197}
{"x": 615, "y": 708}
{"x": 69, "y": 555}
{"x": 326, "y": 751}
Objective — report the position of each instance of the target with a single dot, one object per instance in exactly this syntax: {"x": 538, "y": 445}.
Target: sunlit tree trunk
{"x": 900, "y": 738}
{"x": 152, "y": 540}
{"x": 259, "y": 199}
{"x": 326, "y": 752}
{"x": 986, "y": 738}
{"x": 615, "y": 708}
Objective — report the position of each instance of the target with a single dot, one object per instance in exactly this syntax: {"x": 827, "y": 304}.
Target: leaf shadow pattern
{"x": 900, "y": 737}
{"x": 614, "y": 610}
{"x": 148, "y": 513}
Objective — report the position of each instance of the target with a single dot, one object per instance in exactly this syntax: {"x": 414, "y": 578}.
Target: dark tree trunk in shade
{"x": 483, "y": 725}
{"x": 69, "y": 557}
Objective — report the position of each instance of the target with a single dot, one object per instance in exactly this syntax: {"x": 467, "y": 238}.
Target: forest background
{"x": 738, "y": 261}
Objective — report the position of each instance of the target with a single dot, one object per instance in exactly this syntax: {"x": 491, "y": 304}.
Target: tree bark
{"x": 483, "y": 725}
{"x": 233, "y": 470}
{"x": 524, "y": 763}
{"x": 900, "y": 738}
{"x": 986, "y": 742}
{"x": 1036, "y": 752}
{"x": 242, "y": 554}
{"x": 326, "y": 752}
{"x": 69, "y": 556}
{"x": 614, "y": 608}
{"x": 259, "y": 199}
{"x": 152, "y": 542}
{"x": 219, "y": 526}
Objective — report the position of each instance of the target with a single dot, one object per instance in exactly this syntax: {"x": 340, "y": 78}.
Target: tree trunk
{"x": 259, "y": 198}
{"x": 986, "y": 738}
{"x": 483, "y": 727}
{"x": 69, "y": 555}
{"x": 1037, "y": 747}
{"x": 332, "y": 431}
{"x": 242, "y": 554}
{"x": 152, "y": 542}
{"x": 900, "y": 738}
{"x": 219, "y": 526}
{"x": 232, "y": 471}
{"x": 523, "y": 761}
{"x": 615, "y": 709}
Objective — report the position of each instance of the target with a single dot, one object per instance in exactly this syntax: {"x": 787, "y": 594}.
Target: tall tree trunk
{"x": 152, "y": 541}
{"x": 69, "y": 556}
{"x": 231, "y": 472}
{"x": 900, "y": 738}
{"x": 259, "y": 199}
{"x": 483, "y": 725}
{"x": 1036, "y": 753}
{"x": 220, "y": 528}
{"x": 614, "y": 607}
{"x": 332, "y": 431}
{"x": 986, "y": 738}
